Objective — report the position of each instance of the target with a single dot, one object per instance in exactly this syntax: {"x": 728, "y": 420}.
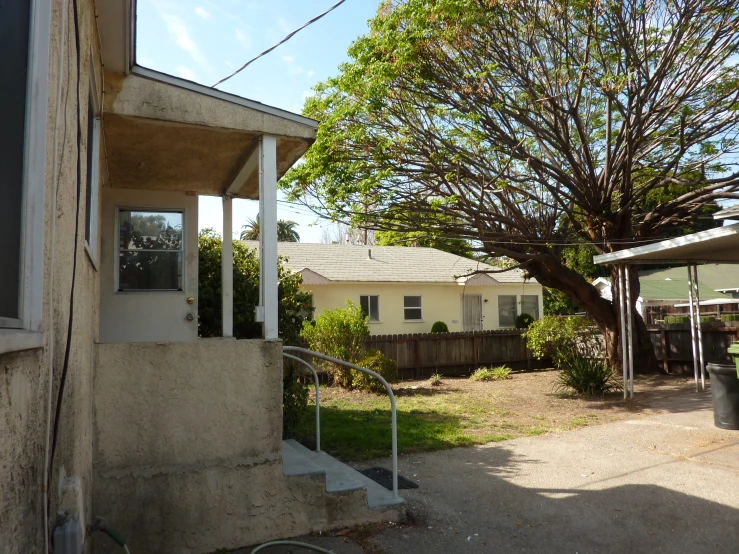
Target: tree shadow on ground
{"x": 508, "y": 503}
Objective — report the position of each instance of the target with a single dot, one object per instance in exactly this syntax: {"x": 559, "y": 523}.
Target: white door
{"x": 149, "y": 279}
{"x": 472, "y": 312}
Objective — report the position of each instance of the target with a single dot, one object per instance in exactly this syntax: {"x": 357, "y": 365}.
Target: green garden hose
{"x": 291, "y": 543}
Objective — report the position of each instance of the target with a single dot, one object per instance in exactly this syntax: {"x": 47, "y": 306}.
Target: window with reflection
{"x": 150, "y": 250}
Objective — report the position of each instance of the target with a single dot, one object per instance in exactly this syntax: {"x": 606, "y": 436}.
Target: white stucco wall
{"x": 440, "y": 302}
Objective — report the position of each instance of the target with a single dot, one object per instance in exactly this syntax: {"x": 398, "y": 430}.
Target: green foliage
{"x": 439, "y": 327}
{"x": 295, "y": 306}
{"x": 557, "y": 302}
{"x": 377, "y": 362}
{"x": 726, "y": 318}
{"x": 339, "y": 333}
{"x": 492, "y": 373}
{"x": 294, "y": 400}
{"x": 589, "y": 376}
{"x": 524, "y": 321}
{"x": 677, "y": 319}
{"x": 558, "y": 337}
{"x": 436, "y": 380}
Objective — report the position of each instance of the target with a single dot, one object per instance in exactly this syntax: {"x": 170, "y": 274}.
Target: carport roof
{"x": 720, "y": 245}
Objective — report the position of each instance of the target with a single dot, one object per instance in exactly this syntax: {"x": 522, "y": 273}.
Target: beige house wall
{"x": 440, "y": 302}
{"x": 24, "y": 383}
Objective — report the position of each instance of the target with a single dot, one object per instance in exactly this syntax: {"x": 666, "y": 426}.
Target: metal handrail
{"x": 388, "y": 388}
{"x": 318, "y": 396}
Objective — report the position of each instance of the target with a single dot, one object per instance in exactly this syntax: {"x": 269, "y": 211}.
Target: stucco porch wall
{"x": 187, "y": 442}
{"x": 187, "y": 450}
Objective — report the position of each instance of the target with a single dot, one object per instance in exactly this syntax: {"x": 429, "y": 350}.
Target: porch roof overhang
{"x": 720, "y": 245}
{"x": 167, "y": 133}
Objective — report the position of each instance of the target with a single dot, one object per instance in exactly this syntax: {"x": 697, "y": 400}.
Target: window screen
{"x": 507, "y": 310}
{"x": 412, "y": 308}
{"x": 370, "y": 306}
{"x": 530, "y": 305}
{"x": 150, "y": 250}
{"x": 14, "y": 38}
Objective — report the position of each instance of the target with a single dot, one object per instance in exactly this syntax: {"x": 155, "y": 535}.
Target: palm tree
{"x": 285, "y": 230}
{"x": 250, "y": 231}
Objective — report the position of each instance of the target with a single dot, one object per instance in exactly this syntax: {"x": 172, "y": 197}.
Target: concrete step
{"x": 298, "y": 460}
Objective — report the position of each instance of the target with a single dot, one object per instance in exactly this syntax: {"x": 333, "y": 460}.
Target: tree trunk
{"x": 604, "y": 312}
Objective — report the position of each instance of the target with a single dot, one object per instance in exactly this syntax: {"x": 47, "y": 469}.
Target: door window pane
{"x": 530, "y": 305}
{"x": 14, "y": 40}
{"x": 507, "y": 310}
{"x": 370, "y": 306}
{"x": 150, "y": 253}
{"x": 412, "y": 308}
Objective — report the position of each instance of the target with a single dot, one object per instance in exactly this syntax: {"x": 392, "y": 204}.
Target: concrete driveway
{"x": 665, "y": 481}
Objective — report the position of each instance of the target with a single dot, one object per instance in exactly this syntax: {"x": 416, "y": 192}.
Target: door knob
{"x": 190, "y": 316}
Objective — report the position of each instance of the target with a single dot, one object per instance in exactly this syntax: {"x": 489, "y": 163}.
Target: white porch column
{"x": 227, "y": 270}
{"x": 268, "y": 236}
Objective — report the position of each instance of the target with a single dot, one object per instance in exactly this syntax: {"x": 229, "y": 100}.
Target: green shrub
{"x": 294, "y": 400}
{"x": 727, "y": 318}
{"x": 559, "y": 337}
{"x": 377, "y": 362}
{"x": 439, "y": 327}
{"x": 341, "y": 334}
{"x": 524, "y": 321}
{"x": 677, "y": 319}
{"x": 707, "y": 319}
{"x": 295, "y": 306}
{"x": 436, "y": 380}
{"x": 491, "y": 373}
{"x": 589, "y": 376}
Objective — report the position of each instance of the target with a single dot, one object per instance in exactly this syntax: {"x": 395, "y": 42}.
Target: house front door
{"x": 149, "y": 284}
{"x": 472, "y": 312}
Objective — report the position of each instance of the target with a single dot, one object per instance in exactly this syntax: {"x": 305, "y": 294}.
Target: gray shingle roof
{"x": 344, "y": 262}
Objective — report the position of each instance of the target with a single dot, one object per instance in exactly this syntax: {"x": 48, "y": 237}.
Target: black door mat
{"x": 385, "y": 478}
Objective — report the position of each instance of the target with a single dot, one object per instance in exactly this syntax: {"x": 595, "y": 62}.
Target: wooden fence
{"x": 674, "y": 350}
{"x": 420, "y": 355}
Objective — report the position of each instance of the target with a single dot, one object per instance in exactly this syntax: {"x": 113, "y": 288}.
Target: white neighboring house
{"x": 406, "y": 289}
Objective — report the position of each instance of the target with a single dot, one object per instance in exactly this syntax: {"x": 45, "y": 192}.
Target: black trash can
{"x": 725, "y": 393}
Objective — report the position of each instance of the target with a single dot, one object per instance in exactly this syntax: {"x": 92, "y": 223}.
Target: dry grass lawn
{"x": 461, "y": 412}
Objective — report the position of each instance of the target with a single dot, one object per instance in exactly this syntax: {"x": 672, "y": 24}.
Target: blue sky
{"x": 205, "y": 40}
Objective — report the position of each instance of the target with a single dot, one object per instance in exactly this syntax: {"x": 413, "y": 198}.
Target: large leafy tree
{"x": 533, "y": 125}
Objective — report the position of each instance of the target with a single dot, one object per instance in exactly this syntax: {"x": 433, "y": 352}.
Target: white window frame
{"x": 369, "y": 306}
{"x": 405, "y": 319}
{"x": 91, "y": 246}
{"x": 26, "y": 331}
{"x": 117, "y": 250}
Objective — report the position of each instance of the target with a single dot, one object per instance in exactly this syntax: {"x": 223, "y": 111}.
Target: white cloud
{"x": 296, "y": 70}
{"x": 185, "y": 72}
{"x": 180, "y": 32}
{"x": 288, "y": 59}
{"x": 203, "y": 13}
{"x": 244, "y": 39}
{"x": 311, "y": 73}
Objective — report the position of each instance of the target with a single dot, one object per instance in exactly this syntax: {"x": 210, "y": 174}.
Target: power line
{"x": 284, "y": 40}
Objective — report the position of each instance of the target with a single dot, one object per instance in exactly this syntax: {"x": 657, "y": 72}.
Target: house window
{"x": 530, "y": 305}
{"x": 93, "y": 173}
{"x": 370, "y": 306}
{"x": 14, "y": 43}
{"x": 412, "y": 308}
{"x": 507, "y": 310}
{"x": 150, "y": 250}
